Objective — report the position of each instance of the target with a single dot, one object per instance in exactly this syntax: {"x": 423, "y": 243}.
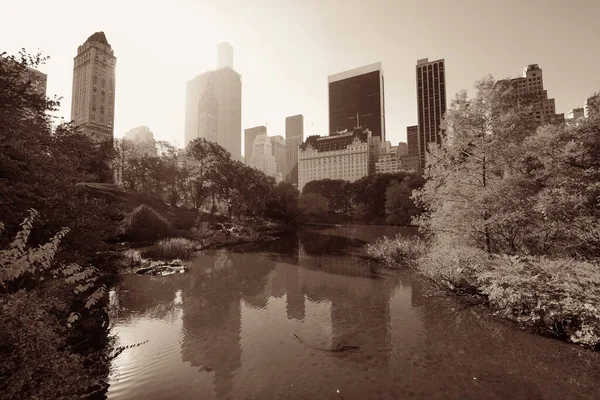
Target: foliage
{"x": 498, "y": 184}
{"x": 39, "y": 167}
{"x": 36, "y": 325}
{"x": 313, "y": 205}
{"x": 369, "y": 193}
{"x": 171, "y": 249}
{"x": 283, "y": 204}
{"x": 144, "y": 223}
{"x": 400, "y": 251}
{"x": 399, "y": 207}
{"x": 338, "y": 192}
{"x": 557, "y": 297}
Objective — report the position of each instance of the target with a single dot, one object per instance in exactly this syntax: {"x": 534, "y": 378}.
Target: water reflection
{"x": 225, "y": 330}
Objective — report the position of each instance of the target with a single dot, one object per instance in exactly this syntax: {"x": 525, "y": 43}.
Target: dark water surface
{"x": 225, "y": 330}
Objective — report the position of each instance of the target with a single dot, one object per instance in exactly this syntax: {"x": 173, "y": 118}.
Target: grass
{"x": 170, "y": 249}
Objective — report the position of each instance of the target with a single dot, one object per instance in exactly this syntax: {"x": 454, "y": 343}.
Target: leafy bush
{"x": 170, "y": 249}
{"x": 454, "y": 265}
{"x": 37, "y": 324}
{"x": 144, "y": 223}
{"x": 400, "y": 251}
{"x": 557, "y": 297}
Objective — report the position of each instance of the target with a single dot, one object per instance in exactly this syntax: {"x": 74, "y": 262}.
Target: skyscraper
{"x": 531, "y": 85}
{"x": 262, "y": 156}
{"x": 357, "y": 94}
{"x": 279, "y": 148}
{"x": 249, "y": 135}
{"x": 93, "y": 99}
{"x": 294, "y": 135}
{"x": 224, "y": 55}
{"x": 214, "y": 105}
{"x": 412, "y": 159}
{"x": 431, "y": 103}
{"x": 143, "y": 140}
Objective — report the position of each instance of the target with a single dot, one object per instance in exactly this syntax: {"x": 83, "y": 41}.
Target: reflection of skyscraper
{"x": 357, "y": 93}
{"x": 93, "y": 99}
{"x": 212, "y": 319}
{"x": 223, "y": 85}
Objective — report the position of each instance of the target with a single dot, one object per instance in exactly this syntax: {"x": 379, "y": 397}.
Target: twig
{"x": 336, "y": 349}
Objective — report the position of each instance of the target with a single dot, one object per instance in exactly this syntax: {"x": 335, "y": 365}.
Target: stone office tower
{"x": 214, "y": 105}
{"x": 93, "y": 98}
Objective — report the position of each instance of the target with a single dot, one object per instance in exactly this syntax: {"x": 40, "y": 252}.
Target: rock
{"x": 161, "y": 268}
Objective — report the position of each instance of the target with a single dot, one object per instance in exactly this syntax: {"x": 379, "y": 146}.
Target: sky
{"x": 285, "y": 49}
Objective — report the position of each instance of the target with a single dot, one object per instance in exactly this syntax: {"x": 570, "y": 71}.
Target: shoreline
{"x": 556, "y": 298}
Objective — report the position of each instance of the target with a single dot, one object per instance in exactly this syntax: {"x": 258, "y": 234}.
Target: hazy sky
{"x": 285, "y": 49}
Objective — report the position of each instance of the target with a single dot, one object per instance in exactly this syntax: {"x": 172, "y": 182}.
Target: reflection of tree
{"x": 211, "y": 327}
{"x": 316, "y": 243}
{"x": 147, "y": 295}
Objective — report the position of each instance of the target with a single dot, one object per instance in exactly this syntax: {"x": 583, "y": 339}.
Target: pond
{"x": 261, "y": 321}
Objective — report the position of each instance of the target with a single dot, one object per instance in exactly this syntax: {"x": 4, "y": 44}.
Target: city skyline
{"x": 287, "y": 80}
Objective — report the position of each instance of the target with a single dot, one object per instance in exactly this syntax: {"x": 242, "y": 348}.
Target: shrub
{"x": 144, "y": 223}
{"x": 400, "y": 251}
{"x": 45, "y": 307}
{"x": 453, "y": 264}
{"x": 170, "y": 249}
{"x": 557, "y": 297}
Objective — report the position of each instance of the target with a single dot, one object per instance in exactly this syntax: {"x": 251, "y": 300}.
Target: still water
{"x": 257, "y": 322}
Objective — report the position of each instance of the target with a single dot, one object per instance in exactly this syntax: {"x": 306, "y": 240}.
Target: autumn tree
{"x": 501, "y": 183}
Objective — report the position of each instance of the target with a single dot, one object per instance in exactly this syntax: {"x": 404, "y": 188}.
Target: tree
{"x": 313, "y": 205}
{"x": 399, "y": 207}
{"x": 564, "y": 162}
{"x": 283, "y": 204}
{"x": 369, "y": 193}
{"x": 336, "y": 191}
{"x": 492, "y": 182}
{"x": 206, "y": 159}
{"x": 39, "y": 168}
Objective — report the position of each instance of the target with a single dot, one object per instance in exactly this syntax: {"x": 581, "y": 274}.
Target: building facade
{"x": 279, "y": 148}
{"x": 388, "y": 161}
{"x": 214, "y": 105}
{"x": 93, "y": 97}
{"x": 344, "y": 156}
{"x": 412, "y": 139}
{"x": 411, "y": 160}
{"x": 531, "y": 85}
{"x": 262, "y": 156}
{"x": 431, "y": 103}
{"x": 143, "y": 139}
{"x": 356, "y": 98}
{"x": 249, "y": 135}
{"x": 294, "y": 136}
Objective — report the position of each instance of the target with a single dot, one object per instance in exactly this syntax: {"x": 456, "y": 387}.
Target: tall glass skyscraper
{"x": 357, "y": 94}
{"x": 431, "y": 103}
